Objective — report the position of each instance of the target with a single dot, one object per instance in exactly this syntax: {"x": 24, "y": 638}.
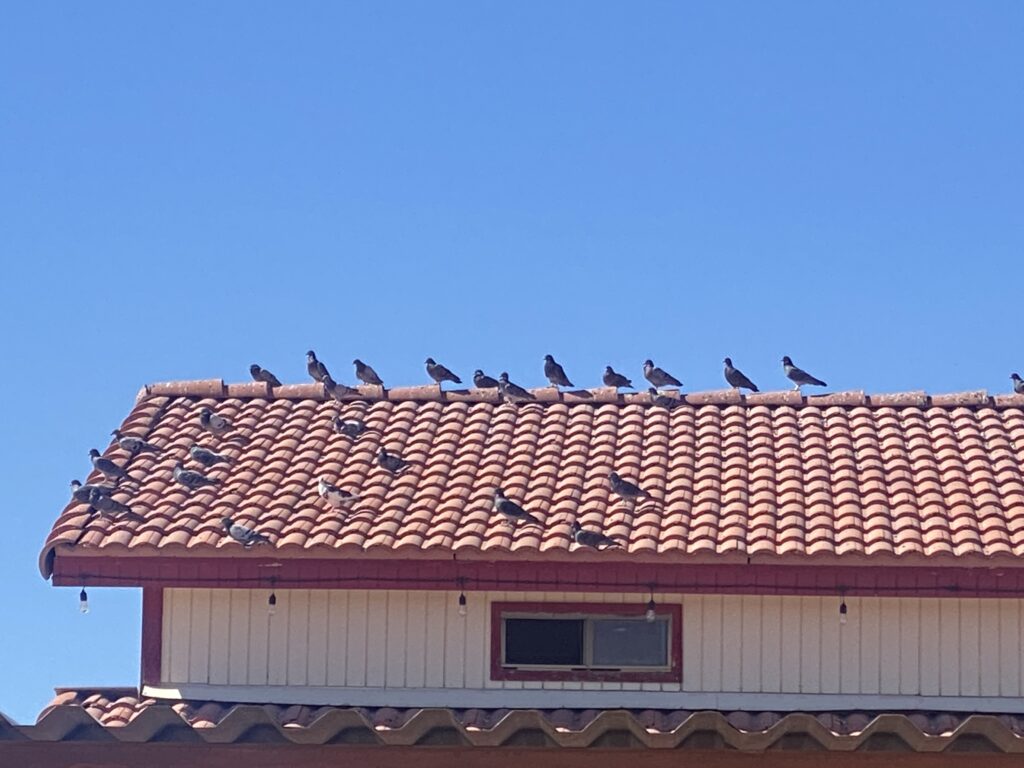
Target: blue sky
{"x": 192, "y": 187}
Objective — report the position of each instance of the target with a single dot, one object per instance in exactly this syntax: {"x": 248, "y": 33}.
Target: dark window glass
{"x": 554, "y": 642}
{"x": 630, "y": 643}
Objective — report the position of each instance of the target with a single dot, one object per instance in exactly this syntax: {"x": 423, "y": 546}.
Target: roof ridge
{"x": 218, "y": 389}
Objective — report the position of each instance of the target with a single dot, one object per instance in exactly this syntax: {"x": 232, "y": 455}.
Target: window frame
{"x": 672, "y": 673}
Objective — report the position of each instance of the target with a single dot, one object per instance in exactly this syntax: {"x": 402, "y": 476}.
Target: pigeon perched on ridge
{"x": 339, "y": 391}
{"x": 211, "y": 422}
{"x": 799, "y": 376}
{"x": 350, "y": 427}
{"x": 315, "y": 368}
{"x": 514, "y": 514}
{"x": 555, "y": 373}
{"x": 106, "y": 505}
{"x": 366, "y": 374}
{"x": 262, "y": 374}
{"x": 439, "y": 373}
{"x": 613, "y": 379}
{"x": 206, "y": 457}
{"x": 626, "y": 489}
{"x": 333, "y": 495}
{"x": 243, "y": 534}
{"x": 190, "y": 478}
{"x": 81, "y": 492}
{"x": 512, "y": 391}
{"x": 482, "y": 381}
{"x": 594, "y": 539}
{"x": 658, "y": 377}
{"x": 133, "y": 444}
{"x": 662, "y": 401}
{"x": 106, "y": 467}
{"x": 392, "y": 463}
{"x": 736, "y": 378}
{"x": 1018, "y": 383}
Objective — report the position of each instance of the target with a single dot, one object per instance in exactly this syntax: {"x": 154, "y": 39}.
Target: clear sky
{"x": 191, "y": 187}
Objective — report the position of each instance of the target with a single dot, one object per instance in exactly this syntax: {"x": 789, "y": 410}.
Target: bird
{"x": 338, "y": 391}
{"x": 81, "y": 492}
{"x": 106, "y": 505}
{"x": 392, "y": 463}
{"x": 555, "y": 373}
{"x": 799, "y": 376}
{"x": 662, "y": 401}
{"x": 366, "y": 374}
{"x": 512, "y": 391}
{"x": 106, "y": 467}
{"x": 482, "y": 381}
{"x": 1018, "y": 383}
{"x": 211, "y": 422}
{"x": 626, "y": 489}
{"x": 315, "y": 368}
{"x": 613, "y": 379}
{"x": 206, "y": 457}
{"x": 594, "y": 539}
{"x": 658, "y": 377}
{"x": 736, "y": 378}
{"x": 439, "y": 373}
{"x": 133, "y": 444}
{"x": 243, "y": 534}
{"x": 190, "y": 478}
{"x": 333, "y": 495}
{"x": 262, "y": 374}
{"x": 513, "y": 513}
{"x": 350, "y": 427}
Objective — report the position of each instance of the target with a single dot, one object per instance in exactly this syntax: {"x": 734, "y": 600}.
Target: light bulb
{"x": 83, "y": 601}
{"x": 272, "y": 604}
{"x": 842, "y": 612}
{"x": 462, "y": 604}
{"x": 650, "y": 614}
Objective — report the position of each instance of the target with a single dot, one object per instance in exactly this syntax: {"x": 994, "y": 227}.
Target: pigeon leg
{"x": 796, "y": 387}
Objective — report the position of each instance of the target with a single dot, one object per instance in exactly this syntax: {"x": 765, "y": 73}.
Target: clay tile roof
{"x": 773, "y": 475}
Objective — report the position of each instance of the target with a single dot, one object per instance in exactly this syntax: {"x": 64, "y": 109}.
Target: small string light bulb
{"x": 462, "y": 604}
{"x": 842, "y": 611}
{"x": 650, "y": 615}
{"x": 83, "y": 601}
{"x": 272, "y": 603}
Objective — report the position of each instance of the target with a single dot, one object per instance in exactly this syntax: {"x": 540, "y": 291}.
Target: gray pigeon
{"x": 339, "y": 391}
{"x": 594, "y": 539}
{"x": 262, "y": 374}
{"x": 333, "y": 495}
{"x": 107, "y": 468}
{"x": 106, "y": 505}
{"x": 190, "y": 478}
{"x": 662, "y": 401}
{"x": 799, "y": 376}
{"x": 315, "y": 368}
{"x": 211, "y": 422}
{"x": 350, "y": 427}
{"x": 366, "y": 374}
{"x": 81, "y": 492}
{"x": 626, "y": 489}
{"x": 736, "y": 378}
{"x": 514, "y": 514}
{"x": 243, "y": 534}
{"x": 658, "y": 377}
{"x": 1018, "y": 383}
{"x": 206, "y": 457}
{"x": 439, "y": 373}
{"x": 512, "y": 391}
{"x": 392, "y": 463}
{"x": 133, "y": 444}
{"x": 613, "y": 379}
{"x": 482, "y": 381}
{"x": 555, "y": 373}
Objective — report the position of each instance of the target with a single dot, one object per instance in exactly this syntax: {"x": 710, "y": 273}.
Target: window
{"x": 586, "y": 642}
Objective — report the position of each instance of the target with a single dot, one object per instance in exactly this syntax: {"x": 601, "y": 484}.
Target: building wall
{"x": 739, "y": 644}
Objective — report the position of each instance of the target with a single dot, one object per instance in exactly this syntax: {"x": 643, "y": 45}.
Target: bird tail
{"x": 753, "y": 387}
{"x": 819, "y": 382}
{"x": 531, "y": 520}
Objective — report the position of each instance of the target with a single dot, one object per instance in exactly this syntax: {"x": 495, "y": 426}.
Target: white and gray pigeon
{"x": 512, "y": 512}
{"x": 594, "y": 539}
{"x": 736, "y": 377}
{"x": 512, "y": 391}
{"x": 366, "y": 374}
{"x": 106, "y": 505}
{"x": 243, "y": 534}
{"x": 626, "y": 489}
{"x": 262, "y": 374}
{"x": 133, "y": 444}
{"x": 190, "y": 478}
{"x": 439, "y": 373}
{"x": 555, "y": 373}
{"x": 315, "y": 368}
{"x": 106, "y": 467}
{"x": 206, "y": 457}
{"x": 339, "y": 391}
{"x": 798, "y": 376}
{"x": 333, "y": 495}
{"x": 350, "y": 427}
{"x": 482, "y": 381}
{"x": 81, "y": 492}
{"x": 613, "y": 379}
{"x": 1018, "y": 383}
{"x": 659, "y": 377}
{"x": 211, "y": 422}
{"x": 392, "y": 463}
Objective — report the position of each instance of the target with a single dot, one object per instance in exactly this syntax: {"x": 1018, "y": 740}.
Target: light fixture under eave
{"x": 83, "y": 601}
{"x": 842, "y": 611}
{"x": 272, "y": 603}
{"x": 463, "y": 610}
{"x": 651, "y": 612}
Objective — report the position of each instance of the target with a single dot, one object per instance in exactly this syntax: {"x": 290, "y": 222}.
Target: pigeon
{"x": 594, "y": 539}
{"x": 206, "y": 457}
{"x": 555, "y": 373}
{"x": 107, "y": 468}
{"x": 262, "y": 374}
{"x": 349, "y": 427}
{"x": 799, "y": 376}
{"x": 392, "y": 463}
{"x": 366, "y": 374}
{"x": 662, "y": 401}
{"x": 512, "y": 391}
{"x": 1018, "y": 383}
{"x": 626, "y": 489}
{"x": 333, "y": 495}
{"x": 243, "y": 534}
{"x": 513, "y": 512}
{"x": 212, "y": 422}
{"x": 315, "y": 368}
{"x": 439, "y": 373}
{"x": 81, "y": 492}
{"x": 482, "y": 381}
{"x": 133, "y": 444}
{"x": 613, "y": 379}
{"x": 106, "y": 505}
{"x": 736, "y": 378}
{"x": 190, "y": 478}
{"x": 338, "y": 391}
{"x": 658, "y": 377}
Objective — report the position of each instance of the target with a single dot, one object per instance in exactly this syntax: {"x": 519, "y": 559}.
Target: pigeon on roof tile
{"x": 482, "y": 381}
{"x": 190, "y": 478}
{"x": 339, "y": 391}
{"x": 366, "y": 374}
{"x": 106, "y": 467}
{"x": 613, "y": 379}
{"x": 211, "y": 422}
{"x": 799, "y": 376}
{"x": 262, "y": 374}
{"x": 81, "y": 492}
{"x": 105, "y": 505}
{"x": 392, "y": 463}
{"x": 350, "y": 427}
{"x": 1018, "y": 383}
{"x": 736, "y": 378}
{"x": 133, "y": 444}
{"x": 626, "y": 489}
{"x": 555, "y": 373}
{"x": 333, "y": 495}
{"x": 513, "y": 513}
{"x": 316, "y": 369}
{"x": 512, "y": 391}
{"x": 206, "y": 457}
{"x": 659, "y": 377}
{"x": 243, "y": 534}
{"x": 439, "y": 373}
{"x": 662, "y": 401}
{"x": 594, "y": 539}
